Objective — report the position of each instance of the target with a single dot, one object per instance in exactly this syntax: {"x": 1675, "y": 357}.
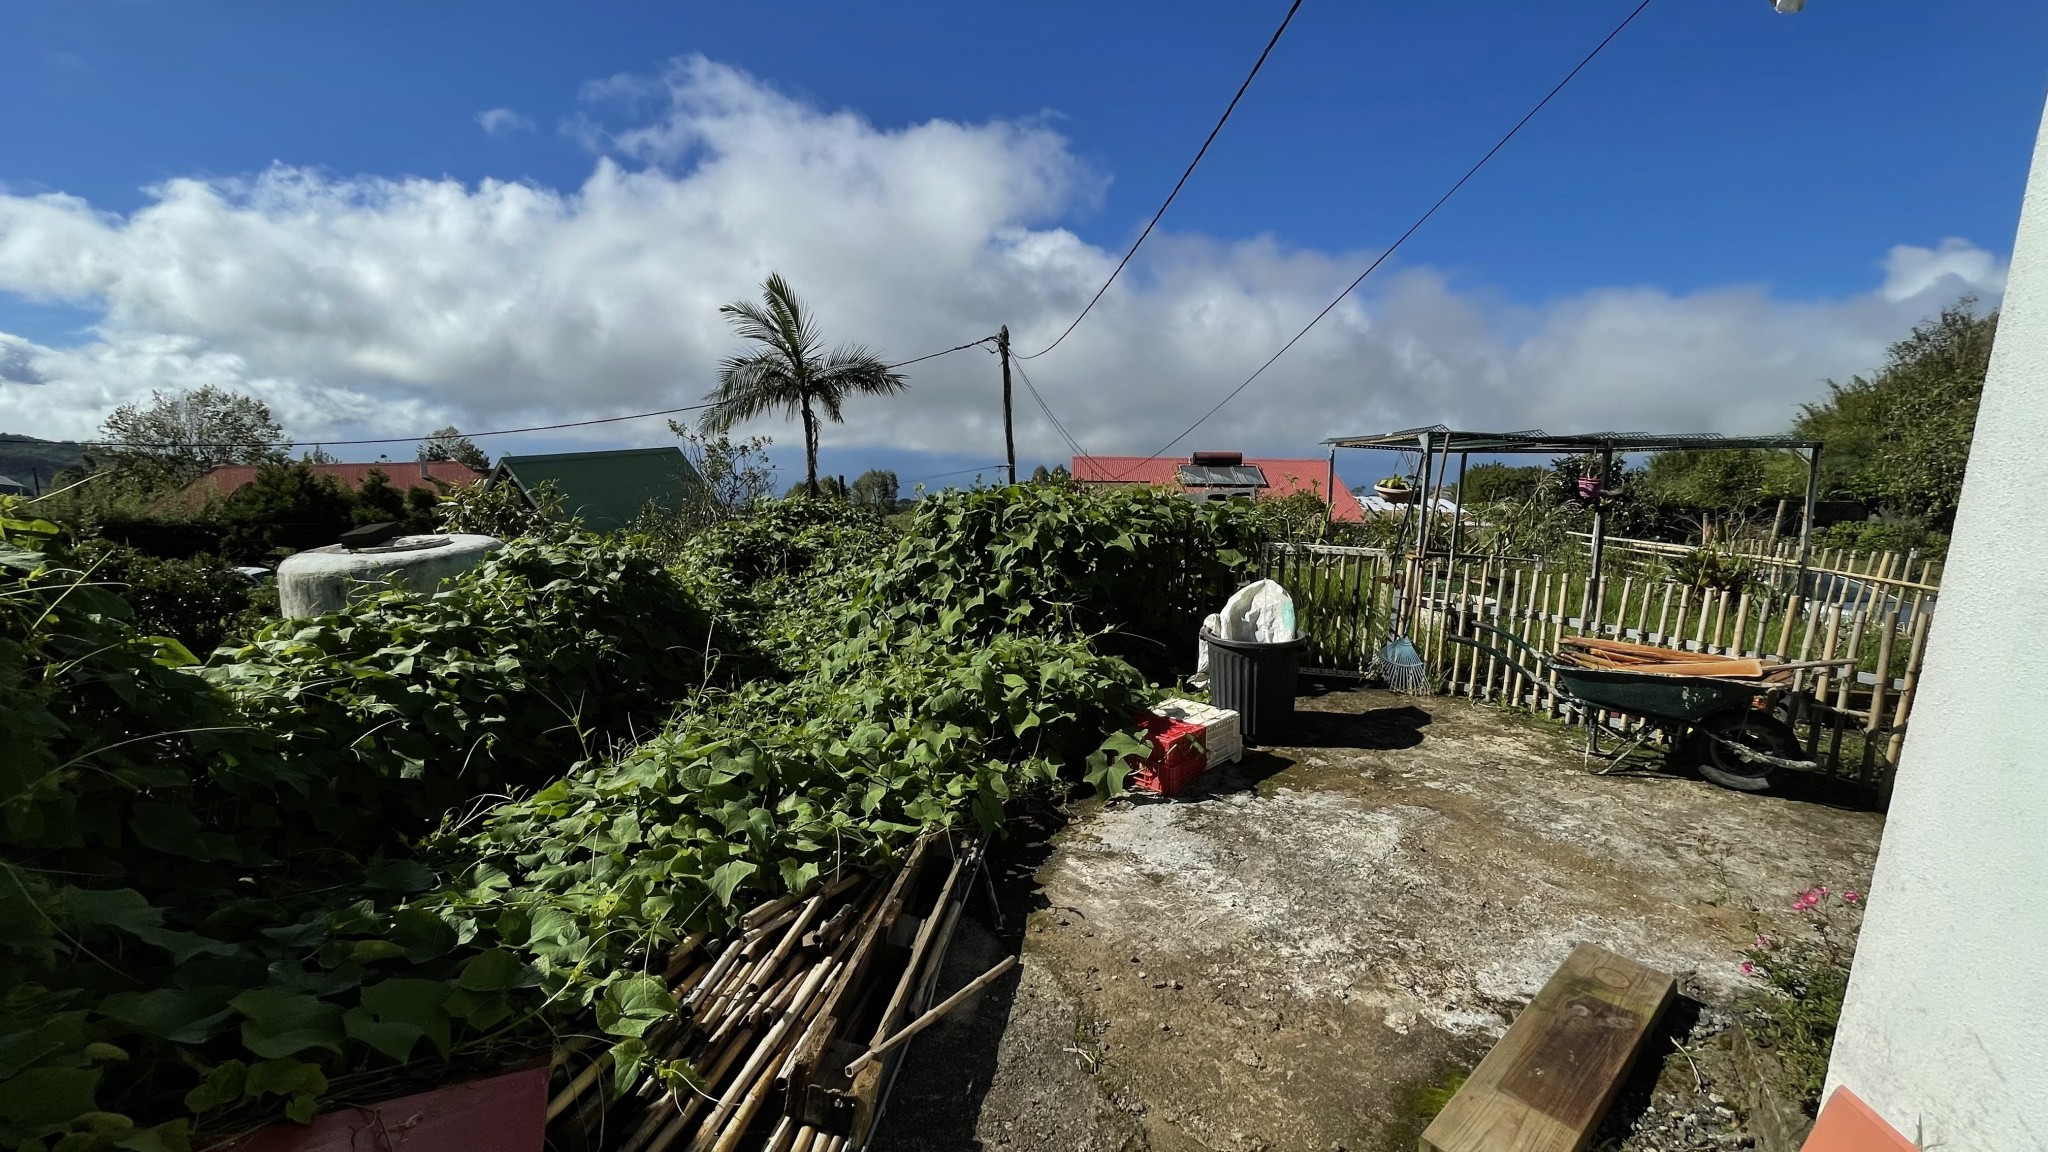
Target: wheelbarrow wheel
{"x": 1751, "y": 728}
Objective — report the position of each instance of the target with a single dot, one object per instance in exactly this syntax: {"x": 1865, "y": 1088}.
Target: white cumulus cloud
{"x": 387, "y": 305}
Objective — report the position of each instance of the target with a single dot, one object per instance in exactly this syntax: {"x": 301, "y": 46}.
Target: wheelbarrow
{"x": 1729, "y": 721}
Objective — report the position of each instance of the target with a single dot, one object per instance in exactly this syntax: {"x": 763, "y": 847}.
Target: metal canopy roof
{"x": 1536, "y": 441}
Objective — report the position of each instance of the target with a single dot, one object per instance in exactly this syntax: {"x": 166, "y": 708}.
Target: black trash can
{"x": 1256, "y": 681}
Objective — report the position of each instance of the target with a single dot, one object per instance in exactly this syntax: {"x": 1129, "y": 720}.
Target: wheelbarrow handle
{"x": 1519, "y": 643}
{"x": 1513, "y": 661}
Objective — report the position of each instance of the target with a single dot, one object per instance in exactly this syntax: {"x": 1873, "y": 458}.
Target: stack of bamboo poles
{"x": 788, "y": 1031}
{"x": 747, "y": 1005}
{"x": 1620, "y": 655}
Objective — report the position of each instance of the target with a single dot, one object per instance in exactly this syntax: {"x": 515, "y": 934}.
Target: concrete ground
{"x": 1304, "y": 949}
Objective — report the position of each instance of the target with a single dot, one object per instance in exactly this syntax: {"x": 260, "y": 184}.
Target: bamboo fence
{"x": 1349, "y": 601}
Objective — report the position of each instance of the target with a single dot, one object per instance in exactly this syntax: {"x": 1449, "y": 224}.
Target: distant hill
{"x": 31, "y": 461}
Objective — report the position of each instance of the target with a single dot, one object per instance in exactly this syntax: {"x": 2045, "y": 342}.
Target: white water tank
{"x": 321, "y": 580}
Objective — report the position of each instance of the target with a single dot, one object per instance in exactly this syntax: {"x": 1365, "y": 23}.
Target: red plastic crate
{"x": 1178, "y": 755}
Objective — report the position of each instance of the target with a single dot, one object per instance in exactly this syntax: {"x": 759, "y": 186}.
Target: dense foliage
{"x": 1135, "y": 567}
{"x": 200, "y": 602}
{"x": 422, "y": 836}
{"x": 1900, "y": 438}
{"x": 403, "y": 706}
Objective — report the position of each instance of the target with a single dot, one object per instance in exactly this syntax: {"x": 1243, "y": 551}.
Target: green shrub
{"x": 1137, "y": 567}
{"x": 222, "y": 912}
{"x": 1882, "y": 535}
{"x": 202, "y": 602}
{"x": 402, "y": 706}
{"x": 1715, "y": 569}
{"x": 786, "y": 576}
{"x": 205, "y": 912}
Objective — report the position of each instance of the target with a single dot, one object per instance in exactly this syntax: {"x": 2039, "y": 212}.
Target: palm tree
{"x": 790, "y": 373}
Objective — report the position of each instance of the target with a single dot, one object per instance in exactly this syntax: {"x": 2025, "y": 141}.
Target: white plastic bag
{"x": 1261, "y": 612}
{"x": 1213, "y": 624}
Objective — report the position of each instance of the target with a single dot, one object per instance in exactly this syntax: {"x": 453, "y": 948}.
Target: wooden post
{"x": 1330, "y": 494}
{"x": 1009, "y": 433}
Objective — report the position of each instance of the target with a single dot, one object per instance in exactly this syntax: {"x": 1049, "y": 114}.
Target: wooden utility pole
{"x": 1009, "y": 435}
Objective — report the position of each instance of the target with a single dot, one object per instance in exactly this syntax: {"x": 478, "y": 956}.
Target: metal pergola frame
{"x": 1441, "y": 442}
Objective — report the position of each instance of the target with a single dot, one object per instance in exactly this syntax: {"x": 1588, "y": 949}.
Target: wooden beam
{"x": 1547, "y": 1083}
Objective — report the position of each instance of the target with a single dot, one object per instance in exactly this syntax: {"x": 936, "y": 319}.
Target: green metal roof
{"x": 607, "y": 489}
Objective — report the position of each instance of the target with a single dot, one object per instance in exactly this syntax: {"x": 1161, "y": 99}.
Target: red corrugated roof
{"x": 223, "y": 479}
{"x": 1283, "y": 477}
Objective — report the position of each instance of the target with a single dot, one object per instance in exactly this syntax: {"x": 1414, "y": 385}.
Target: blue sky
{"x": 1721, "y": 174}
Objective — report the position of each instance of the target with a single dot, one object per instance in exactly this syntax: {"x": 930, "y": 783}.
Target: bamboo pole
{"x": 1914, "y": 655}
{"x": 1554, "y": 633}
{"x": 1848, "y": 685}
{"x": 930, "y": 1017}
{"x": 1875, "y": 720}
{"x": 1741, "y": 625}
{"x": 1510, "y": 620}
{"x": 1720, "y": 620}
{"x": 1882, "y": 688}
{"x": 1818, "y": 696}
{"x": 1823, "y": 680}
{"x": 1663, "y": 618}
{"x": 1677, "y": 637}
{"x": 1792, "y": 603}
{"x": 1436, "y": 649}
{"x": 567, "y": 1096}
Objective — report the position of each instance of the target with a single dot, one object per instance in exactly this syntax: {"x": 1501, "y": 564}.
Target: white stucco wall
{"x": 1945, "y": 1031}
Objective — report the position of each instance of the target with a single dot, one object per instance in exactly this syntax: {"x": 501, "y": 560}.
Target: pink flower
{"x": 1821, "y": 888}
{"x": 1805, "y": 902}
{"x": 1850, "y": 897}
{"x": 1761, "y": 942}
{"x": 1748, "y": 968}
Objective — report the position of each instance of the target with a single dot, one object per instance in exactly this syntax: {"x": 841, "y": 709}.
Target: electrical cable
{"x": 287, "y": 444}
{"x": 941, "y": 352}
{"x": 1412, "y": 229}
{"x": 958, "y": 471}
{"x": 1047, "y": 409}
{"x": 1199, "y": 153}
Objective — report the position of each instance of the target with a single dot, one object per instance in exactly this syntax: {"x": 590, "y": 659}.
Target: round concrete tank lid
{"x": 396, "y": 544}
{"x": 406, "y": 552}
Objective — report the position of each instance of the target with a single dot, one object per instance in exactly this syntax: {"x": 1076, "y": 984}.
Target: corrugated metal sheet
{"x": 607, "y": 489}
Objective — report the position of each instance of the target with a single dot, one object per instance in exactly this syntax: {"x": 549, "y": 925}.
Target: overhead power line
{"x": 942, "y": 352}
{"x": 958, "y": 472}
{"x": 1412, "y": 229}
{"x": 1047, "y": 409}
{"x": 315, "y": 443}
{"x": 1199, "y": 153}
{"x": 318, "y": 443}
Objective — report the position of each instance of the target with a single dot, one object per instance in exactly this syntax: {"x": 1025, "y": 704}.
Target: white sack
{"x": 1261, "y": 612}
